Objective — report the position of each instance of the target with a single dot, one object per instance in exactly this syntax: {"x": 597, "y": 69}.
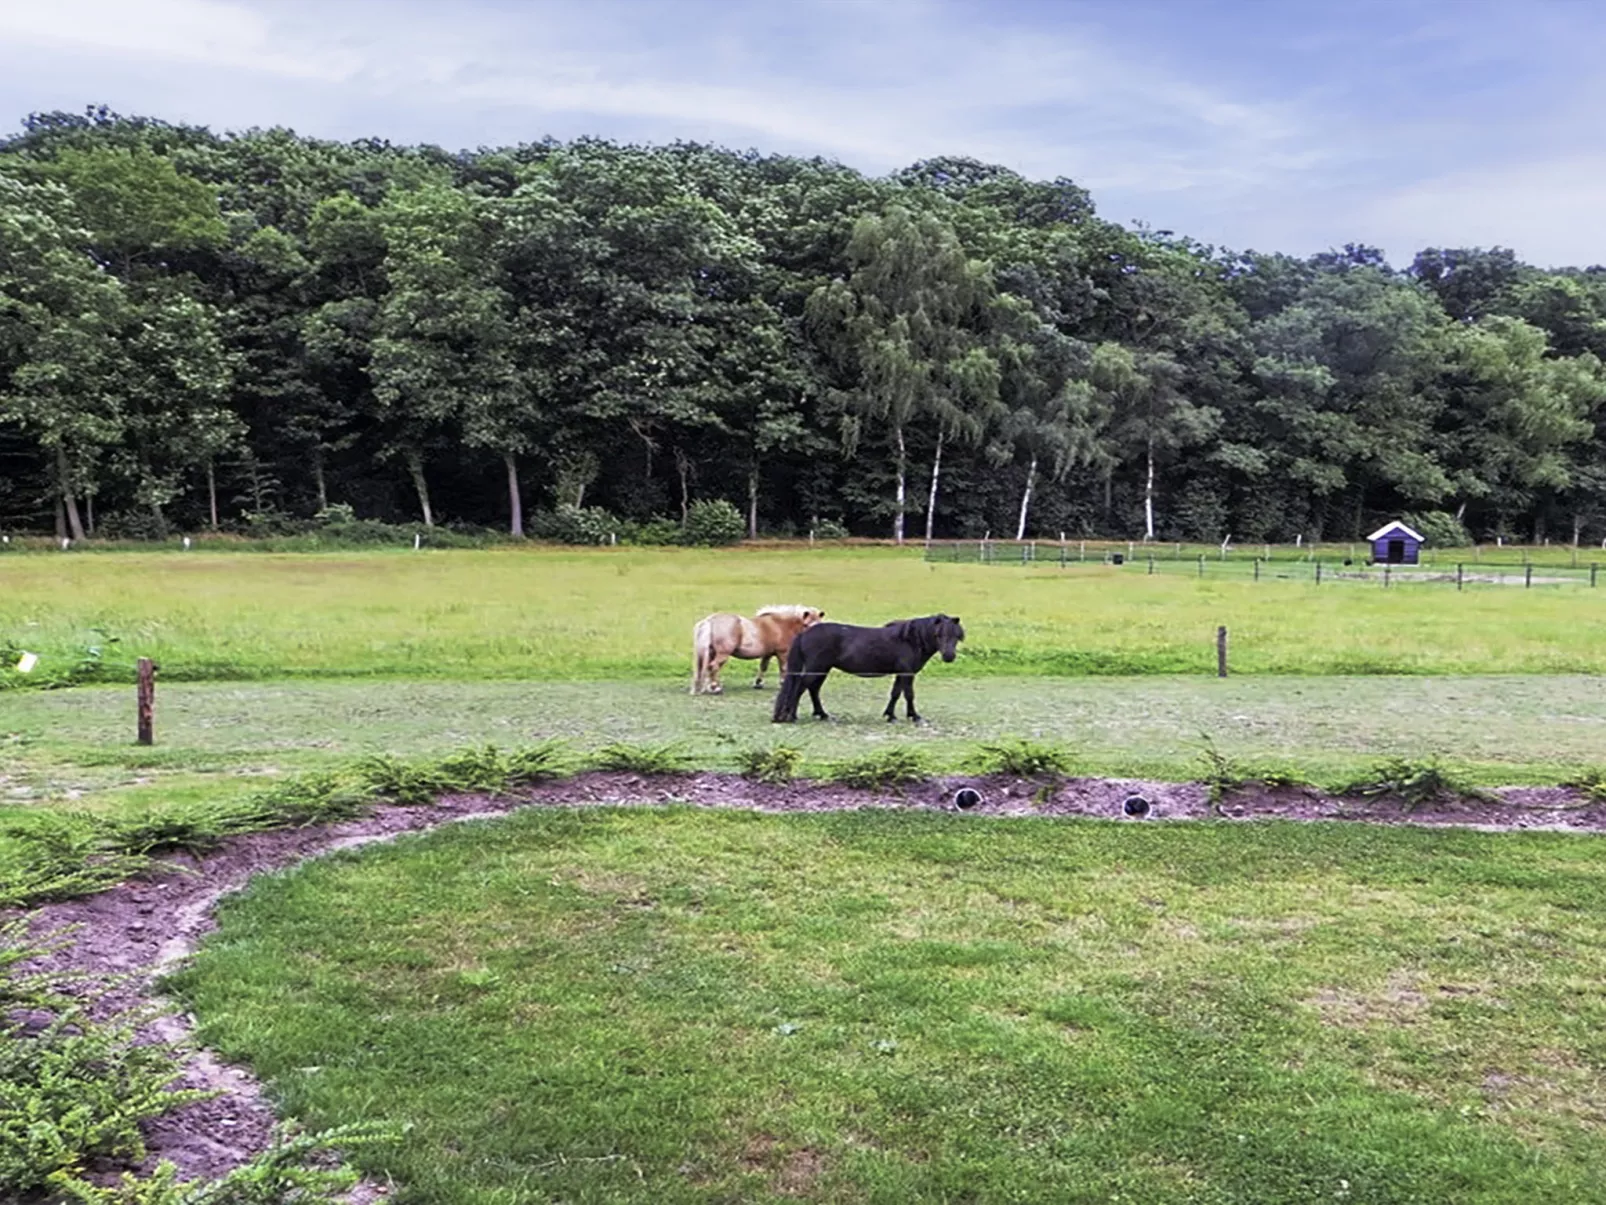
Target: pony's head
{"x": 949, "y": 633}
{"x": 804, "y": 617}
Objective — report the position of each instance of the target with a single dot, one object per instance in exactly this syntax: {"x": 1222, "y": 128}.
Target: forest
{"x": 247, "y": 331}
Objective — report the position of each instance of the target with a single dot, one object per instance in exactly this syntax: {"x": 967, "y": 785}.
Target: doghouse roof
{"x": 1393, "y": 528}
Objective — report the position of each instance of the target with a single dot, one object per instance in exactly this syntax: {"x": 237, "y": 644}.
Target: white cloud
{"x": 877, "y": 85}
{"x": 1550, "y": 212}
{"x": 211, "y": 32}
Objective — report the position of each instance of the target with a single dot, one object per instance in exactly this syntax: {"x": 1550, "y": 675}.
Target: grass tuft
{"x": 1415, "y": 783}
{"x": 890, "y": 767}
{"x": 775, "y": 765}
{"x": 1025, "y": 759}
{"x": 1591, "y": 782}
{"x": 640, "y": 759}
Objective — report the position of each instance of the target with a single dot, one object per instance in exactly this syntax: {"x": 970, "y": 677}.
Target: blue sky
{"x": 1286, "y": 125}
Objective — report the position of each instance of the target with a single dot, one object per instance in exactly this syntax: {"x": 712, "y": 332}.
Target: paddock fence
{"x": 1459, "y": 568}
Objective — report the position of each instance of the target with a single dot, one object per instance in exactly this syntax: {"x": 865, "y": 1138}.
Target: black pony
{"x": 902, "y": 647}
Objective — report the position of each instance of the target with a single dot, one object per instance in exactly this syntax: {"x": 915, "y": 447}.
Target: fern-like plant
{"x": 775, "y": 765}
{"x": 639, "y": 759}
{"x": 1025, "y": 759}
{"x": 890, "y": 767}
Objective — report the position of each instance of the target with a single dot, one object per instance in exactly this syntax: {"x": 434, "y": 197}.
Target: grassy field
{"x": 215, "y": 739}
{"x": 682, "y": 1006}
{"x": 626, "y": 613}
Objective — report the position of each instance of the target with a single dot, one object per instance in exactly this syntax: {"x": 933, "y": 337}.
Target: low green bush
{"x": 890, "y": 767}
{"x": 1025, "y": 759}
{"x": 713, "y": 522}
{"x": 638, "y": 759}
{"x": 1415, "y": 783}
{"x": 570, "y": 524}
{"x": 775, "y": 765}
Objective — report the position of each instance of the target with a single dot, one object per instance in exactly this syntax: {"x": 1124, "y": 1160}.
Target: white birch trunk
{"x": 931, "y": 501}
{"x": 1148, "y": 498}
{"x": 415, "y": 467}
{"x": 1026, "y": 499}
{"x": 903, "y": 466}
{"x": 515, "y": 500}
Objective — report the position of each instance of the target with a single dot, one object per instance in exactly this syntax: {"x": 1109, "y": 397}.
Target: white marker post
{"x": 26, "y": 662}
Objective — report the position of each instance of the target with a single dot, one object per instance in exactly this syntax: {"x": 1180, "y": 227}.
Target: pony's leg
{"x": 763, "y": 668}
{"x": 909, "y": 699}
{"x": 715, "y": 664}
{"x": 814, "y": 693}
{"x": 901, "y": 685}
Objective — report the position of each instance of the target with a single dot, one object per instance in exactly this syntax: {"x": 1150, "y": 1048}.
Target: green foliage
{"x": 1414, "y": 782}
{"x": 654, "y": 532}
{"x": 1438, "y": 529}
{"x": 712, "y": 522}
{"x": 829, "y": 529}
{"x": 639, "y": 759}
{"x": 569, "y": 524}
{"x": 775, "y": 764}
{"x": 1591, "y": 782}
{"x": 76, "y": 1090}
{"x": 890, "y": 767}
{"x": 1222, "y": 774}
{"x": 73, "y": 1089}
{"x": 1026, "y": 759}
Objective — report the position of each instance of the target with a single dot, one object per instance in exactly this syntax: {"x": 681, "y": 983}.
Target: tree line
{"x": 242, "y": 330}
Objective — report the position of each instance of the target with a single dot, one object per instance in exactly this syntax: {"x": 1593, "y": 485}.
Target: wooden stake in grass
{"x": 1221, "y": 652}
{"x": 147, "y": 701}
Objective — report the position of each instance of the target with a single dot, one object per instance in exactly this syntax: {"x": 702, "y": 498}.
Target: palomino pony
{"x": 902, "y": 647}
{"x": 718, "y": 638}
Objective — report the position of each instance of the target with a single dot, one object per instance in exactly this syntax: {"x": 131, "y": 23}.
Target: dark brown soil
{"x": 143, "y": 927}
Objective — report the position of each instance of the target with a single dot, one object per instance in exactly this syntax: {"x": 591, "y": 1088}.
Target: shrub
{"x": 1591, "y": 782}
{"x": 830, "y": 529}
{"x": 1439, "y": 529}
{"x": 639, "y": 759}
{"x": 712, "y": 522}
{"x": 890, "y": 767}
{"x": 570, "y": 524}
{"x": 130, "y": 525}
{"x": 1026, "y": 759}
{"x": 655, "y": 531}
{"x": 335, "y": 514}
{"x": 1413, "y": 783}
{"x": 1222, "y": 773}
{"x": 775, "y": 766}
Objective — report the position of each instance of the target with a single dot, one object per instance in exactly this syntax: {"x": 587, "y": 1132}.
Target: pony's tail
{"x": 791, "y": 692}
{"x": 702, "y": 640}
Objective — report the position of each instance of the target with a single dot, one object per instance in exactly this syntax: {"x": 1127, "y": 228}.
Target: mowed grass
{"x": 214, "y": 740}
{"x": 627, "y": 613}
{"x": 672, "y": 1005}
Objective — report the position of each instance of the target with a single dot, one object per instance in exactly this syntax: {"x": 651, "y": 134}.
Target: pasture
{"x": 885, "y": 1007}
{"x": 681, "y": 1005}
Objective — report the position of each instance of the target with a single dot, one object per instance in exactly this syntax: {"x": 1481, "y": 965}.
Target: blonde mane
{"x": 785, "y": 611}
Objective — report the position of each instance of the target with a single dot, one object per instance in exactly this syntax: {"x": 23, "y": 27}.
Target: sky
{"x": 1276, "y": 125}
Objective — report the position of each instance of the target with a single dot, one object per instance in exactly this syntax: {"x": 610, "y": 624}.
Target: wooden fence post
{"x": 1221, "y": 652}
{"x": 147, "y": 701}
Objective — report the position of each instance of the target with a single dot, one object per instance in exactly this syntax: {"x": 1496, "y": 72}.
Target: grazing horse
{"x": 718, "y": 638}
{"x": 902, "y": 647}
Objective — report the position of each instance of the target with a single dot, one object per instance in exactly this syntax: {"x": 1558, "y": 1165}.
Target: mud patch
{"x": 142, "y": 928}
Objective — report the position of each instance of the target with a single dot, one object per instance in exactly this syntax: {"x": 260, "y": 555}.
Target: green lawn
{"x": 627, "y": 613}
{"x": 215, "y": 739}
{"x": 688, "y": 1006}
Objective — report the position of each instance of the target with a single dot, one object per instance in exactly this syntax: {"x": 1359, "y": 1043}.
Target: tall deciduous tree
{"x": 902, "y": 330}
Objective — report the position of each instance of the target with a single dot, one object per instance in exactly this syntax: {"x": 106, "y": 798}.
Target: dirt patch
{"x": 142, "y": 928}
